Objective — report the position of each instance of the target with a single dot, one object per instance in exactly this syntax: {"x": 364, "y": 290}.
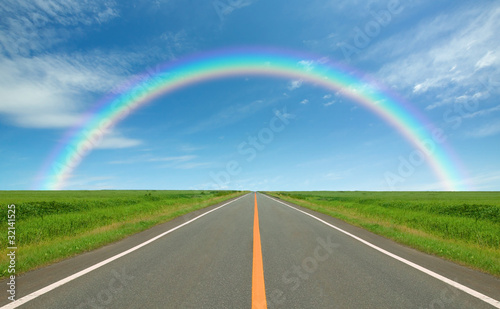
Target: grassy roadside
{"x": 51, "y": 226}
{"x": 463, "y": 227}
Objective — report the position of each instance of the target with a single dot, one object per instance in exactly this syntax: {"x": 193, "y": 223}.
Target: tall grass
{"x": 461, "y": 226}
{"x": 54, "y": 225}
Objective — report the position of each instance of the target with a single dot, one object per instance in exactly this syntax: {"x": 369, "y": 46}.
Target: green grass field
{"x": 53, "y": 225}
{"x": 460, "y": 226}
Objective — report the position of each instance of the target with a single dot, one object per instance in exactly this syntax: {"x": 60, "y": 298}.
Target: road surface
{"x": 229, "y": 258}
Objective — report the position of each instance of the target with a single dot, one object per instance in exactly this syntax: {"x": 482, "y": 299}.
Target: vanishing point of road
{"x": 255, "y": 252}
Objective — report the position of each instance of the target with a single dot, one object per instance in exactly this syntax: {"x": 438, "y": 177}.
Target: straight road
{"x": 229, "y": 258}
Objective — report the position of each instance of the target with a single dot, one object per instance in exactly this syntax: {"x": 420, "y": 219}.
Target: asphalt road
{"x": 208, "y": 263}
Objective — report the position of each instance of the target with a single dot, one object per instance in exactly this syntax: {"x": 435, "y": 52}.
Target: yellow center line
{"x": 258, "y": 286}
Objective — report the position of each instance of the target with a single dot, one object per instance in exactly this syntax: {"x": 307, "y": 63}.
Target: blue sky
{"x": 58, "y": 58}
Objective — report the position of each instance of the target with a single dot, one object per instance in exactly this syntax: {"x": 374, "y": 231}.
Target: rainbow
{"x": 84, "y": 137}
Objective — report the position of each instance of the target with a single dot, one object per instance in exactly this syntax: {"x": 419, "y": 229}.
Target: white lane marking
{"x": 495, "y": 303}
{"x": 61, "y": 282}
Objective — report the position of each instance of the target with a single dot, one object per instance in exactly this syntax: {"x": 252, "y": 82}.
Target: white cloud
{"x": 126, "y": 161}
{"x": 184, "y": 158}
{"x": 176, "y": 42}
{"x": 230, "y": 115}
{"x": 83, "y": 182}
{"x": 488, "y": 60}
{"x": 193, "y": 165}
{"x": 184, "y": 162}
{"x": 483, "y": 112}
{"x": 485, "y": 181}
{"x": 479, "y": 181}
{"x": 116, "y": 140}
{"x": 40, "y": 90}
{"x": 329, "y": 103}
{"x": 295, "y": 84}
{"x": 189, "y": 148}
{"x": 307, "y": 64}
{"x": 224, "y": 8}
{"x": 146, "y": 158}
{"x": 51, "y": 91}
{"x": 328, "y": 96}
{"x": 339, "y": 174}
{"x": 334, "y": 176}
{"x": 306, "y": 101}
{"x": 462, "y": 100}
{"x": 485, "y": 131}
{"x": 451, "y": 53}
{"x": 31, "y": 26}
